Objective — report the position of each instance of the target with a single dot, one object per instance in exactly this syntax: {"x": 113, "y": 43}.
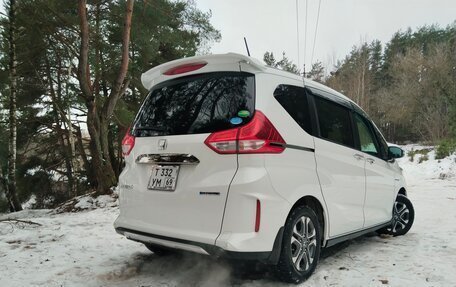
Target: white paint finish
{"x": 342, "y": 181}
{"x": 380, "y": 191}
{"x": 251, "y": 183}
{"x": 293, "y": 176}
{"x": 331, "y": 175}
{"x": 293, "y": 172}
{"x": 214, "y": 63}
{"x": 183, "y": 213}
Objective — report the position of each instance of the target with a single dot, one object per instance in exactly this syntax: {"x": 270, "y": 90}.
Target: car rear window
{"x": 195, "y": 104}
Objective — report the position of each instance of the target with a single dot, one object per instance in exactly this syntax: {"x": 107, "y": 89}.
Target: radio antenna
{"x": 246, "y": 46}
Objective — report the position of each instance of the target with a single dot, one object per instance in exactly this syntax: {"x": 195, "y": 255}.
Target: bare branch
{"x": 120, "y": 86}
{"x": 11, "y": 220}
{"x": 83, "y": 67}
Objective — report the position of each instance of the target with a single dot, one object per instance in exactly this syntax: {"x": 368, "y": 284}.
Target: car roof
{"x": 307, "y": 82}
{"x": 155, "y": 75}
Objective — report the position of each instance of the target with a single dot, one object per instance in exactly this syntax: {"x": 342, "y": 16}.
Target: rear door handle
{"x": 358, "y": 156}
{"x": 370, "y": 160}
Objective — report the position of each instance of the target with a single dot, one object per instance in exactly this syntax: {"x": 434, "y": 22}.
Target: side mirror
{"x": 395, "y": 152}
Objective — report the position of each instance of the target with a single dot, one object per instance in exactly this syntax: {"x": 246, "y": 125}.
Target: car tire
{"x": 159, "y": 250}
{"x": 301, "y": 246}
{"x": 403, "y": 217}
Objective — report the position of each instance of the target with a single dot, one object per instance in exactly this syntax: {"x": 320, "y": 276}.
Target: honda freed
{"x": 229, "y": 157}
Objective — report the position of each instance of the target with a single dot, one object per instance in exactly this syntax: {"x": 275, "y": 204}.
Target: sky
{"x": 270, "y": 25}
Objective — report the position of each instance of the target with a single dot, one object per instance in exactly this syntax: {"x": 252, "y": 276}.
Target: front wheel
{"x": 301, "y": 246}
{"x": 403, "y": 217}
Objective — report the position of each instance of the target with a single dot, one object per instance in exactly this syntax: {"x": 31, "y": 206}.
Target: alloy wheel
{"x": 401, "y": 217}
{"x": 303, "y": 243}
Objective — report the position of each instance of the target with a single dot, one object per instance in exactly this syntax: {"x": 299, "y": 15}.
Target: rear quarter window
{"x": 294, "y": 100}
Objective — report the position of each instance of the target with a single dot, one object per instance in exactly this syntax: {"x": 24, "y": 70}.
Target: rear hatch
{"x": 180, "y": 185}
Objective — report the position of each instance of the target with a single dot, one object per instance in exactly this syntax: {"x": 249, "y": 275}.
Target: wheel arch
{"x": 402, "y": 191}
{"x": 316, "y": 206}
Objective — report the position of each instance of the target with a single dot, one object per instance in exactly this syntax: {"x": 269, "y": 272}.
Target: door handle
{"x": 358, "y": 156}
{"x": 370, "y": 160}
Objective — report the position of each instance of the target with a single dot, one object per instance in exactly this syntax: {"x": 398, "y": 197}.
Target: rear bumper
{"x": 270, "y": 257}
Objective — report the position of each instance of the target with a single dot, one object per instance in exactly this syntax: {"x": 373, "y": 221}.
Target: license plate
{"x": 163, "y": 177}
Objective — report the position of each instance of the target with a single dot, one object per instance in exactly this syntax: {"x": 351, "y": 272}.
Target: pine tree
{"x": 98, "y": 119}
{"x": 284, "y": 64}
{"x": 317, "y": 72}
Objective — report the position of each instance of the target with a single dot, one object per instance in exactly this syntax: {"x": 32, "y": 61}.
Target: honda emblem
{"x": 162, "y": 144}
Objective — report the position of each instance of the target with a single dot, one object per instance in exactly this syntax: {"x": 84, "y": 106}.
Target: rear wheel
{"x": 403, "y": 217}
{"x": 159, "y": 250}
{"x": 301, "y": 246}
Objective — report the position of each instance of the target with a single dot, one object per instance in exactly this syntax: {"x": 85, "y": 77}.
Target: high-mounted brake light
{"x": 185, "y": 68}
{"x": 128, "y": 143}
{"x": 258, "y": 136}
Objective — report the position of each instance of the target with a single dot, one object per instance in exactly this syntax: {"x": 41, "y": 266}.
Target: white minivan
{"x": 228, "y": 157}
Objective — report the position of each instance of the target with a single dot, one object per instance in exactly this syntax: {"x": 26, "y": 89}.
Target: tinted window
{"x": 382, "y": 143}
{"x": 334, "y": 121}
{"x": 366, "y": 138}
{"x": 294, "y": 100}
{"x": 197, "y": 104}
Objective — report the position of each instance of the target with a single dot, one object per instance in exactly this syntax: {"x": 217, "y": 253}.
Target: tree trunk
{"x": 98, "y": 121}
{"x": 101, "y": 162}
{"x": 11, "y": 193}
{"x": 71, "y": 140}
{"x": 60, "y": 118}
{"x": 81, "y": 149}
{"x": 3, "y": 183}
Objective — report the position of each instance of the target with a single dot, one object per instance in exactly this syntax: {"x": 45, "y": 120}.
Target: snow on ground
{"x": 82, "y": 249}
{"x": 428, "y": 169}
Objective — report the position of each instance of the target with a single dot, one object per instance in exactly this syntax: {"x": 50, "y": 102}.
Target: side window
{"x": 382, "y": 143}
{"x": 294, "y": 100}
{"x": 335, "y": 122}
{"x": 366, "y": 137}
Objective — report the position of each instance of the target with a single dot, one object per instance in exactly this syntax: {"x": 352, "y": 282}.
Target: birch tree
{"x": 12, "y": 151}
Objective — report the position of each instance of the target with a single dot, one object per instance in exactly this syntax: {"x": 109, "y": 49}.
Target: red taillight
{"x": 128, "y": 143}
{"x": 258, "y": 136}
{"x": 185, "y": 68}
{"x": 258, "y": 215}
{"x": 223, "y": 142}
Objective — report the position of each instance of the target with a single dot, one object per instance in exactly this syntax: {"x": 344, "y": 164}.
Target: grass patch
{"x": 423, "y": 152}
{"x": 423, "y": 158}
{"x": 445, "y": 148}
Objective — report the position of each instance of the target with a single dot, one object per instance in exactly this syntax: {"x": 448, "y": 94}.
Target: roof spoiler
{"x": 157, "y": 74}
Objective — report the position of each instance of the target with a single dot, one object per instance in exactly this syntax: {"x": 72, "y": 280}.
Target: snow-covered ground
{"x": 82, "y": 249}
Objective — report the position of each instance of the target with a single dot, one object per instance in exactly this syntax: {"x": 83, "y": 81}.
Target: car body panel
{"x": 194, "y": 210}
{"x": 342, "y": 179}
{"x": 380, "y": 191}
{"x": 215, "y": 201}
